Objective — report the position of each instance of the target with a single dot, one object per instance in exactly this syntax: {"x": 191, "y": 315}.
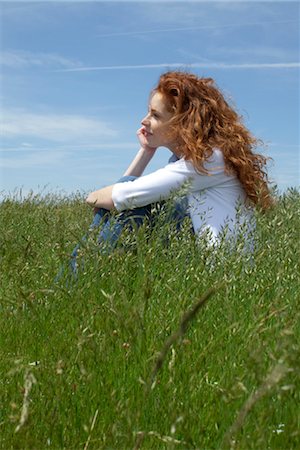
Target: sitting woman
{"x": 212, "y": 155}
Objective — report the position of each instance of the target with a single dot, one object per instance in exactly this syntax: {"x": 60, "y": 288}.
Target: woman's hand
{"x": 141, "y": 134}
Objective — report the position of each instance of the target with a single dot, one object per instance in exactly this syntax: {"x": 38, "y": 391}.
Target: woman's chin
{"x": 149, "y": 141}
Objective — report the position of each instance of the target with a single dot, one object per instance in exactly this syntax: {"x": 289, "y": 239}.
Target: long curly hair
{"x": 203, "y": 120}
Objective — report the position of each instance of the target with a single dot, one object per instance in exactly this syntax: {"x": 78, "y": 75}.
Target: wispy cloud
{"x": 195, "y": 13}
{"x": 242, "y": 53}
{"x": 58, "y": 63}
{"x": 202, "y": 27}
{"x": 54, "y": 127}
{"x": 32, "y": 160}
{"x": 22, "y": 59}
{"x": 204, "y": 65}
{"x": 69, "y": 148}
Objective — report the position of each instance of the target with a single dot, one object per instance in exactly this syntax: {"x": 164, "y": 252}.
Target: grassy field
{"x": 156, "y": 346}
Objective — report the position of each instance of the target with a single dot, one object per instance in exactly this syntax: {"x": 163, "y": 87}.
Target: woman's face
{"x": 156, "y": 128}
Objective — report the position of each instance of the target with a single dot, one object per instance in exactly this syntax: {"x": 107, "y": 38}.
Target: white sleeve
{"x": 146, "y": 189}
{"x": 160, "y": 184}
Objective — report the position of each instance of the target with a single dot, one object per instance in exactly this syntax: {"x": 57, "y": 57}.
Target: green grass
{"x": 79, "y": 362}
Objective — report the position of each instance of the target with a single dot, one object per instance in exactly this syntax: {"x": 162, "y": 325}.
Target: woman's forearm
{"x": 101, "y": 198}
{"x": 140, "y": 162}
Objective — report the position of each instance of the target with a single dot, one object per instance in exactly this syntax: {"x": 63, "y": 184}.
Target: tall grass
{"x": 162, "y": 344}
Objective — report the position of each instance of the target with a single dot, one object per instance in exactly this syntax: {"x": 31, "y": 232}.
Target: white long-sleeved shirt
{"x": 213, "y": 198}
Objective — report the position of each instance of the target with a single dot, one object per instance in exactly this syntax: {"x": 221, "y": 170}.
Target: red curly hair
{"x": 203, "y": 120}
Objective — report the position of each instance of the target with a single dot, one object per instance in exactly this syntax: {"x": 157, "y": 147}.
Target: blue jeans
{"x": 110, "y": 228}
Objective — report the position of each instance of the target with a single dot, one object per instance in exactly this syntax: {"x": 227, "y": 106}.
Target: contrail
{"x": 203, "y": 27}
{"x": 290, "y": 65}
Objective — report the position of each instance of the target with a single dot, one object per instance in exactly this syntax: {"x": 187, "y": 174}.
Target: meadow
{"x": 162, "y": 344}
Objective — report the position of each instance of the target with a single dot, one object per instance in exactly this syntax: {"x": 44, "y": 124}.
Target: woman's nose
{"x": 145, "y": 121}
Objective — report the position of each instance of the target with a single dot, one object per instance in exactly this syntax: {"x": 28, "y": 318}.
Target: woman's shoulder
{"x": 214, "y": 165}
{"x": 214, "y": 162}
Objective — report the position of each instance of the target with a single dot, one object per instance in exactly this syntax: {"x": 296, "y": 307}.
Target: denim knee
{"x": 127, "y": 178}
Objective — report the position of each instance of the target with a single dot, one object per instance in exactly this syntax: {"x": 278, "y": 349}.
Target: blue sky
{"x": 75, "y": 78}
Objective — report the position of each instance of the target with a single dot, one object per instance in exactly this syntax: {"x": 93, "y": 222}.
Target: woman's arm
{"x": 142, "y": 158}
{"x": 102, "y": 198}
{"x": 140, "y": 162}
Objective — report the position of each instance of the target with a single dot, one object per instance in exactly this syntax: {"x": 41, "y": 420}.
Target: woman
{"x": 212, "y": 157}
